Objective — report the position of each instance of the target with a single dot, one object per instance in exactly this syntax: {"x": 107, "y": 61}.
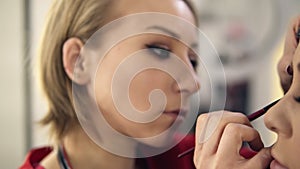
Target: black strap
{"x": 62, "y": 159}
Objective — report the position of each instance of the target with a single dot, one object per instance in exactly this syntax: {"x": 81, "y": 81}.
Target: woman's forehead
{"x": 149, "y": 23}
{"x": 174, "y": 7}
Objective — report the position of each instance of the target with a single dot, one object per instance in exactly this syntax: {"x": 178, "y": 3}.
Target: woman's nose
{"x": 187, "y": 82}
{"x": 190, "y": 85}
{"x": 277, "y": 118}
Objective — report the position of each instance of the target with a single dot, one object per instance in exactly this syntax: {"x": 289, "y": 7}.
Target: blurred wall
{"x": 12, "y": 114}
{"x": 38, "y": 12}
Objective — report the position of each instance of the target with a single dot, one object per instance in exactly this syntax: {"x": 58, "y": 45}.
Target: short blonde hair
{"x": 66, "y": 19}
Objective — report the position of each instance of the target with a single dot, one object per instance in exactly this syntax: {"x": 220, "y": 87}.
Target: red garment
{"x": 34, "y": 157}
{"x": 167, "y": 160}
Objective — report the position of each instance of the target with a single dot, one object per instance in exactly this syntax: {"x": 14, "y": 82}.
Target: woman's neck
{"x": 82, "y": 152}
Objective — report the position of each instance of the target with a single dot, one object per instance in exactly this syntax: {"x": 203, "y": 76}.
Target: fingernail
{"x": 267, "y": 154}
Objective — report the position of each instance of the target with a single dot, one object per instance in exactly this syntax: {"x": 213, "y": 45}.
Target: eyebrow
{"x": 165, "y": 30}
{"x": 171, "y": 33}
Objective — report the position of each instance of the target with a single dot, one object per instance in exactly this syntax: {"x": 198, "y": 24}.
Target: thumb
{"x": 262, "y": 159}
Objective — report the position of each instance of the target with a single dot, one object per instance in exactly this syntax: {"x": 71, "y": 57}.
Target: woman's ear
{"x": 73, "y": 62}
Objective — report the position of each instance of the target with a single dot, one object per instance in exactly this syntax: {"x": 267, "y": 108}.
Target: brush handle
{"x": 261, "y": 112}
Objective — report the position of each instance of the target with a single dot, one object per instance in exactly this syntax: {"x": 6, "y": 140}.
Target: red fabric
{"x": 167, "y": 160}
{"x": 34, "y": 157}
{"x": 247, "y": 152}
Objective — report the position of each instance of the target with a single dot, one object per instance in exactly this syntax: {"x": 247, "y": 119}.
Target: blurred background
{"x": 248, "y": 35}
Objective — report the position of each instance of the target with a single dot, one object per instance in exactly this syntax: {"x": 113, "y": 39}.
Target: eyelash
{"x": 297, "y": 99}
{"x": 164, "y": 53}
{"x": 161, "y": 52}
{"x": 194, "y": 62}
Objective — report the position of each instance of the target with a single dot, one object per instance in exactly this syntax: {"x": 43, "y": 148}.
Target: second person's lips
{"x": 276, "y": 165}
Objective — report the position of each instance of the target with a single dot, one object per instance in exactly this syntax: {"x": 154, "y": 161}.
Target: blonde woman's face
{"x": 144, "y": 82}
{"x": 284, "y": 119}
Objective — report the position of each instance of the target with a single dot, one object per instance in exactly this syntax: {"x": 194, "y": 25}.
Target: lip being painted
{"x": 275, "y": 164}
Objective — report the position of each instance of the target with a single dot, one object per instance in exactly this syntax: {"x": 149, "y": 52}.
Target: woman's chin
{"x": 164, "y": 139}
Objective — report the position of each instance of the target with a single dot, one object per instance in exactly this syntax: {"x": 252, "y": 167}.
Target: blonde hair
{"x": 66, "y": 19}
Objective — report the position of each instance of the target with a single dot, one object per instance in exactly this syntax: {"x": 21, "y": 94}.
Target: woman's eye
{"x": 159, "y": 51}
{"x": 194, "y": 63}
{"x": 193, "y": 60}
{"x": 297, "y": 99}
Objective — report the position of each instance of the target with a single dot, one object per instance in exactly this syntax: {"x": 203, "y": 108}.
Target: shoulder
{"x": 170, "y": 160}
{"x": 35, "y": 156}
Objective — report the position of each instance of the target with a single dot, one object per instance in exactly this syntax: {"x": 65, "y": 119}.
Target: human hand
{"x": 221, "y": 150}
{"x": 284, "y": 67}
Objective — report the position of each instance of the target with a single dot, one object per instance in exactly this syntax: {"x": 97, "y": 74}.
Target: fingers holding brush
{"x": 221, "y": 149}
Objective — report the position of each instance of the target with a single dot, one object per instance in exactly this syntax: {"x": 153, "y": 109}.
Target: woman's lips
{"x": 276, "y": 165}
{"x": 176, "y": 113}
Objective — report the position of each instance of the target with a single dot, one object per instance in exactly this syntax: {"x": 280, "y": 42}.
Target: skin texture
{"x": 221, "y": 150}
{"x": 141, "y": 86}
